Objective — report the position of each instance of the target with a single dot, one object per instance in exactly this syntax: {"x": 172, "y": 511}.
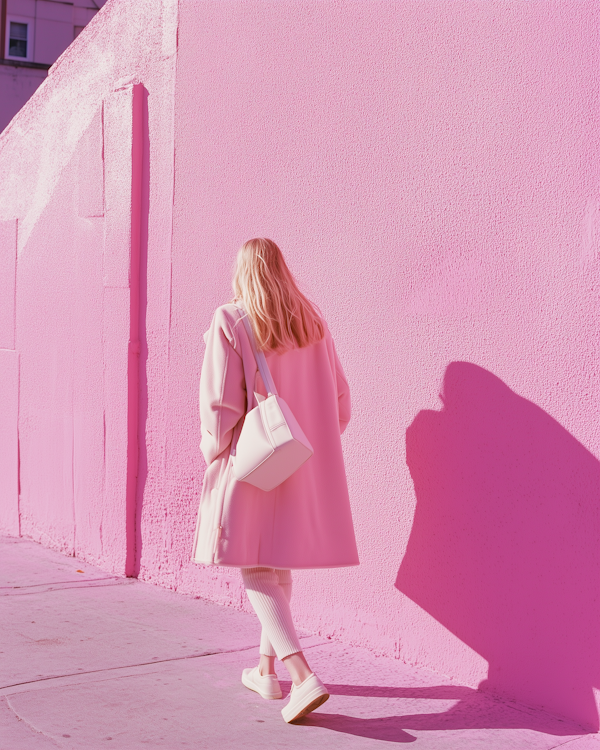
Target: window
{"x": 18, "y": 39}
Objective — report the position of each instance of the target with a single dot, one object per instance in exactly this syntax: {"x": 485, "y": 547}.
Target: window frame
{"x": 29, "y": 23}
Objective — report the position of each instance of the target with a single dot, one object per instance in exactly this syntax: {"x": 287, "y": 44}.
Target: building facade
{"x": 33, "y": 35}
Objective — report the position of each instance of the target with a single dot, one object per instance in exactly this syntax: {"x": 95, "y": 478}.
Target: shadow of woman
{"x": 505, "y": 545}
{"x": 472, "y": 710}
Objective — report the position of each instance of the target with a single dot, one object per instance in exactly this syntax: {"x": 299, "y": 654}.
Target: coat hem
{"x": 279, "y": 566}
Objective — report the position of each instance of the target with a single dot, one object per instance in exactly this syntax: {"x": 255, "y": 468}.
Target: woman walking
{"x": 305, "y": 522}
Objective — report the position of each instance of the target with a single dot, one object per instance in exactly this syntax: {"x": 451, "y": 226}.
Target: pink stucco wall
{"x": 431, "y": 171}
{"x": 71, "y": 205}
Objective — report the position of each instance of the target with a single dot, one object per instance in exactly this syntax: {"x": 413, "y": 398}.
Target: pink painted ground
{"x": 430, "y": 171}
{"x": 121, "y": 659}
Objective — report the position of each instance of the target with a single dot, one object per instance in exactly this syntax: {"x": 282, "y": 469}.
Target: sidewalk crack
{"x": 59, "y": 583}
{"x": 574, "y": 739}
{"x": 126, "y": 666}
{"x": 141, "y": 664}
{"x": 66, "y": 586}
{"x": 31, "y": 726}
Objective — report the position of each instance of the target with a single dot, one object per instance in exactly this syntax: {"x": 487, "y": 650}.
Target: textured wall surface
{"x": 431, "y": 172}
{"x": 72, "y": 211}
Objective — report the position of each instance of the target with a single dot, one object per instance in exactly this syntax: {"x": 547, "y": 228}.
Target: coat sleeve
{"x": 222, "y": 388}
{"x": 343, "y": 391}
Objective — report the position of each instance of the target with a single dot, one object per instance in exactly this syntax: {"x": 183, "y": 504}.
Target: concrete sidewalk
{"x": 90, "y": 661}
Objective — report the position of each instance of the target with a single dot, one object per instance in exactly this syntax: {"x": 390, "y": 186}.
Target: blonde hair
{"x": 281, "y": 316}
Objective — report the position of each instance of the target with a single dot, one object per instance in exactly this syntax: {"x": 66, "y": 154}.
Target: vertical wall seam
{"x": 134, "y": 317}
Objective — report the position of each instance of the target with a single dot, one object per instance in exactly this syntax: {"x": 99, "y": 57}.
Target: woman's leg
{"x": 297, "y": 666}
{"x": 267, "y": 652}
{"x": 266, "y": 589}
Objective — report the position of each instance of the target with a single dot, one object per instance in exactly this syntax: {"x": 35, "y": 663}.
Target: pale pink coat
{"x": 305, "y": 522}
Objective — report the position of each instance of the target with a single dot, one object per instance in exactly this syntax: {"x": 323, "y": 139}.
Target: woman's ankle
{"x": 298, "y": 668}
{"x": 266, "y": 665}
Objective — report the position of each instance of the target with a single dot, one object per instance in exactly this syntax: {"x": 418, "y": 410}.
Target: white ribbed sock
{"x": 269, "y": 591}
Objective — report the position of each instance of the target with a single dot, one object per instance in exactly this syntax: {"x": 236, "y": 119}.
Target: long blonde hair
{"x": 282, "y": 317}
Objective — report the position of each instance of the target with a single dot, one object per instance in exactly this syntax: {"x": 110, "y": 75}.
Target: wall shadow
{"x": 505, "y": 545}
{"x": 472, "y": 710}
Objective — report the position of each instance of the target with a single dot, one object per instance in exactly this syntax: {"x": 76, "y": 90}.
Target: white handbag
{"x": 271, "y": 445}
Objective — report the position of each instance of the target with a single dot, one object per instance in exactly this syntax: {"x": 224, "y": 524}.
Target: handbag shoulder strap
{"x": 261, "y": 361}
